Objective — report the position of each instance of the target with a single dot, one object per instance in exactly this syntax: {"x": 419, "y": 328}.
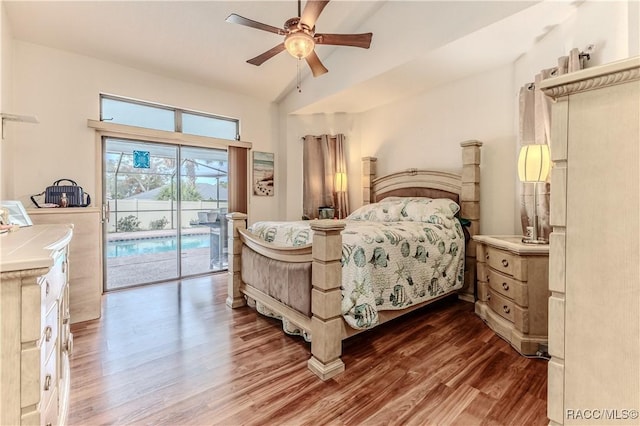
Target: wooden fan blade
{"x": 237, "y": 19}
{"x": 355, "y": 40}
{"x": 311, "y": 11}
{"x": 260, "y": 59}
{"x": 316, "y": 66}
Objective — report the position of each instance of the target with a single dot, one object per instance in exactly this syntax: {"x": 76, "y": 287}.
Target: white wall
{"x": 611, "y": 26}
{"x": 63, "y": 89}
{"x": 5, "y": 100}
{"x": 426, "y": 130}
{"x": 606, "y": 25}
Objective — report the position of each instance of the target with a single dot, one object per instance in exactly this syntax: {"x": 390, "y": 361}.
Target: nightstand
{"x": 513, "y": 290}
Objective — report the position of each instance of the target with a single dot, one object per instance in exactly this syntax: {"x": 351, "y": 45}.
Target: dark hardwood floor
{"x": 174, "y": 354}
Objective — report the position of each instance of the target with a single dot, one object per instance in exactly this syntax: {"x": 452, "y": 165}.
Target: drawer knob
{"x": 505, "y": 262}
{"x": 489, "y": 296}
{"x": 487, "y": 256}
{"x": 69, "y": 345}
{"x": 47, "y": 382}
{"x": 47, "y": 333}
{"x": 506, "y": 309}
{"x": 47, "y": 288}
{"x": 505, "y": 286}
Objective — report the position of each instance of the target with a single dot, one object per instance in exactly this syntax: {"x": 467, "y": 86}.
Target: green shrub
{"x": 128, "y": 224}
{"x": 158, "y": 224}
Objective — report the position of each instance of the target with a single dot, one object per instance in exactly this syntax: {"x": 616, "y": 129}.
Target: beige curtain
{"x": 323, "y": 157}
{"x": 535, "y": 127}
{"x": 237, "y": 191}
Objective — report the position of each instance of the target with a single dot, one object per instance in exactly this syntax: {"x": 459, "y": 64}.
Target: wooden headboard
{"x": 463, "y": 188}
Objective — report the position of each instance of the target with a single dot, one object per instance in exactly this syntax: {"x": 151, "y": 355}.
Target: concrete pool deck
{"x": 133, "y": 270}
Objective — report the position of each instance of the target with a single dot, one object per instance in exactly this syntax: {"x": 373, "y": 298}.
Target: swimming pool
{"x": 155, "y": 245}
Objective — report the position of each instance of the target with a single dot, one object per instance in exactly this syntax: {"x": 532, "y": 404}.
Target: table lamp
{"x": 533, "y": 166}
{"x": 341, "y": 182}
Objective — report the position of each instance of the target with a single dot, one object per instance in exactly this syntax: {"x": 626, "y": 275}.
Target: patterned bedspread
{"x": 385, "y": 265}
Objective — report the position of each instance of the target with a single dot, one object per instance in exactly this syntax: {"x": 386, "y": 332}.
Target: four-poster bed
{"x": 280, "y": 281}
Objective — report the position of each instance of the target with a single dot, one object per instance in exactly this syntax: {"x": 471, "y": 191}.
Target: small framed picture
{"x": 263, "y": 173}
{"x": 15, "y": 212}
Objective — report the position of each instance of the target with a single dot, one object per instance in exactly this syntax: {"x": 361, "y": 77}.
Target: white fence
{"x": 148, "y": 211}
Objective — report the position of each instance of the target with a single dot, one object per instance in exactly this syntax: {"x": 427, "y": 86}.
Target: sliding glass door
{"x": 203, "y": 206}
{"x": 166, "y": 204}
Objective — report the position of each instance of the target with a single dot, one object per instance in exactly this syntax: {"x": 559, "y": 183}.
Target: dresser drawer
{"x": 509, "y": 287}
{"x": 51, "y": 410}
{"x": 501, "y": 306}
{"x": 510, "y": 311}
{"x": 500, "y": 260}
{"x": 30, "y": 361}
{"x": 43, "y": 415}
{"x": 38, "y": 300}
{"x": 55, "y": 280}
{"x": 49, "y": 379}
{"x": 39, "y": 375}
{"x": 50, "y": 331}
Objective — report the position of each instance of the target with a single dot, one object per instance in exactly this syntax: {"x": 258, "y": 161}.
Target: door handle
{"x": 106, "y": 212}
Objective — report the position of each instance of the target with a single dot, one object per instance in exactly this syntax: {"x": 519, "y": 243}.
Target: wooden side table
{"x": 513, "y": 290}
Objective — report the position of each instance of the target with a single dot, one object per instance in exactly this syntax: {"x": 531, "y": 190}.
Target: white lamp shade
{"x": 534, "y": 163}
{"x": 341, "y": 182}
{"x": 299, "y": 44}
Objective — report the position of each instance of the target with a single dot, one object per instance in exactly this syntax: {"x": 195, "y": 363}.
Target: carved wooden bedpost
{"x": 470, "y": 209}
{"x": 235, "y": 299}
{"x": 368, "y": 175}
{"x": 326, "y": 299}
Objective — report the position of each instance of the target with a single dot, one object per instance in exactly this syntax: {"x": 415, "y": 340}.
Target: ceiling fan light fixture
{"x": 299, "y": 44}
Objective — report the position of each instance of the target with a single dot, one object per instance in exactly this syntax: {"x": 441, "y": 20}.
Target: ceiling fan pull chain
{"x": 298, "y": 80}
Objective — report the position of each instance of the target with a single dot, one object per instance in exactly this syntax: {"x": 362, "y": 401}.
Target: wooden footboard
{"x": 326, "y": 325}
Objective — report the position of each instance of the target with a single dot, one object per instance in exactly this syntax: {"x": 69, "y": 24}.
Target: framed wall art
{"x": 13, "y": 213}
{"x": 263, "y": 173}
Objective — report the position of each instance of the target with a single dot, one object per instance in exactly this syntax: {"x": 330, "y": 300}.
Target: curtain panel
{"x": 238, "y": 194}
{"x": 535, "y": 128}
{"x": 323, "y": 158}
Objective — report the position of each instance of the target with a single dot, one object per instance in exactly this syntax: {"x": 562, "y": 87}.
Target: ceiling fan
{"x": 300, "y": 36}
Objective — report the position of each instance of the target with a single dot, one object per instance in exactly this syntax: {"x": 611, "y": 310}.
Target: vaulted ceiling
{"x": 416, "y": 44}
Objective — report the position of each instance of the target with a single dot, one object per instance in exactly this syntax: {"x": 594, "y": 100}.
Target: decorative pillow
{"x": 439, "y": 211}
{"x": 403, "y": 199}
{"x": 378, "y": 212}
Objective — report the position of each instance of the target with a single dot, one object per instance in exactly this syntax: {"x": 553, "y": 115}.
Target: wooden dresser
{"x": 513, "y": 290}
{"x": 594, "y": 308}
{"x": 85, "y": 252}
{"x": 34, "y": 325}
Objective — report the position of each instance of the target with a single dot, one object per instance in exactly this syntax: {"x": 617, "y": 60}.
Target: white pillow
{"x": 384, "y": 211}
{"x": 439, "y": 211}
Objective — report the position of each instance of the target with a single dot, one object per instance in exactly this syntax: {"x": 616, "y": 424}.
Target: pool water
{"x": 155, "y": 245}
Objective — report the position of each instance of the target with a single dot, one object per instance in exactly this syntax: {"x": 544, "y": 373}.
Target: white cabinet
{"x": 85, "y": 254}
{"x": 35, "y": 326}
